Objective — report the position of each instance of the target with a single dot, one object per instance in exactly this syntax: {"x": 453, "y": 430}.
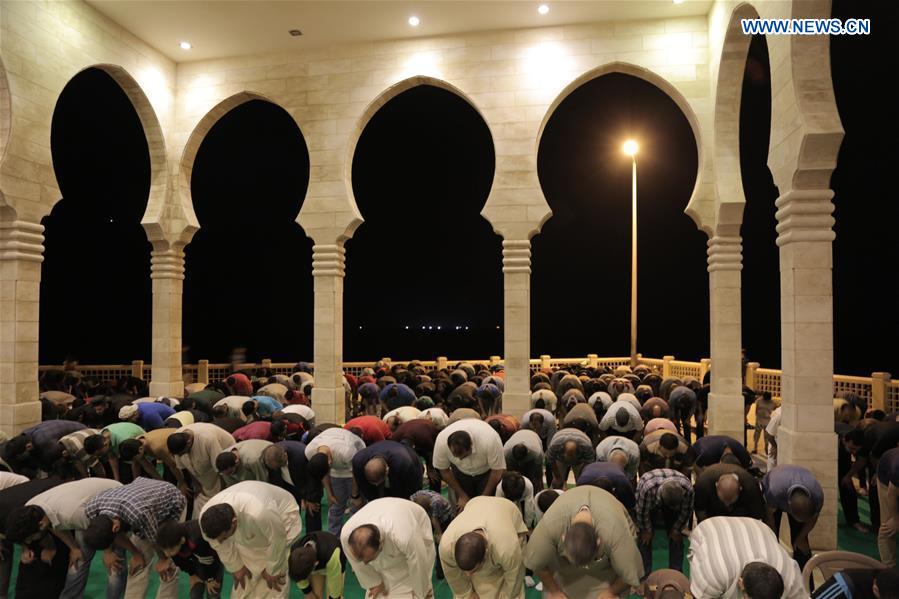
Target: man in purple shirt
{"x": 149, "y": 416}
{"x": 796, "y": 491}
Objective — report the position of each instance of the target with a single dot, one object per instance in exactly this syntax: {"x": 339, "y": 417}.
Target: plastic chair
{"x": 830, "y": 562}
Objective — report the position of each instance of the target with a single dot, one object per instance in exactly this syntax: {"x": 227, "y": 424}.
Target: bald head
{"x": 618, "y": 457}
{"x": 375, "y": 470}
{"x": 728, "y": 489}
{"x": 365, "y": 542}
{"x": 470, "y": 550}
{"x": 274, "y": 457}
{"x": 801, "y": 506}
{"x": 569, "y": 450}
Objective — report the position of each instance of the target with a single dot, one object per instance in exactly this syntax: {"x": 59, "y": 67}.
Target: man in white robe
{"x": 390, "y": 547}
{"x": 196, "y": 453}
{"x": 255, "y": 543}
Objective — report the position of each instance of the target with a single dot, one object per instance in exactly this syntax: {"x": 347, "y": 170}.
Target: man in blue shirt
{"x": 149, "y": 416}
{"x": 387, "y": 469}
{"x": 796, "y": 491}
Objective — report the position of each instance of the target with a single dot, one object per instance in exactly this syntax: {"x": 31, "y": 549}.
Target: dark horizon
{"x": 425, "y": 257}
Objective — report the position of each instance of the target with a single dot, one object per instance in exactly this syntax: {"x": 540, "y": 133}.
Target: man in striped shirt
{"x": 668, "y": 495}
{"x": 138, "y": 508}
{"x": 721, "y": 548}
{"x": 73, "y": 451}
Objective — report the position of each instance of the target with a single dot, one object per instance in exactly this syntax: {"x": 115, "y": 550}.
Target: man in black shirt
{"x": 317, "y": 564}
{"x": 184, "y": 543}
{"x": 43, "y": 576}
{"x": 728, "y": 490}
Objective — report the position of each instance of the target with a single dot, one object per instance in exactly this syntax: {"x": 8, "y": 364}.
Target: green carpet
{"x": 849, "y": 539}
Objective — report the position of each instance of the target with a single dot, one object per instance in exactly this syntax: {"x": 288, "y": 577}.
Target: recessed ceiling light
{"x": 295, "y": 32}
{"x": 678, "y": 1}
{"x": 185, "y": 45}
{"x": 543, "y": 9}
{"x": 414, "y": 21}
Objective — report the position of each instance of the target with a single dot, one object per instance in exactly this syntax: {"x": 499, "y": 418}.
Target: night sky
{"x": 425, "y": 257}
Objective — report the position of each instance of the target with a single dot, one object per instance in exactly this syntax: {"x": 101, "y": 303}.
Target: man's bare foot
{"x": 861, "y": 528}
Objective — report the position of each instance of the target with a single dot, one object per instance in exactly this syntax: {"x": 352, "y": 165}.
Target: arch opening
{"x": 95, "y": 290}
{"x": 581, "y": 260}
{"x": 248, "y": 280}
{"x": 421, "y": 173}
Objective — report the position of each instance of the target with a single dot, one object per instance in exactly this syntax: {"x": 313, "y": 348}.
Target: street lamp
{"x": 630, "y": 148}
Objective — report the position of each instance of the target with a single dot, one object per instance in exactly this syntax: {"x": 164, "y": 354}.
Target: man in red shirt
{"x": 370, "y": 428}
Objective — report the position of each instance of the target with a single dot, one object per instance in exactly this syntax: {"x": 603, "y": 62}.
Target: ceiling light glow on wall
{"x": 543, "y": 9}
{"x": 414, "y": 21}
{"x": 678, "y": 1}
{"x": 185, "y": 45}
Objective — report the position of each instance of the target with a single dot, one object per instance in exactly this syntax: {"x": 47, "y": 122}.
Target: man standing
{"x": 888, "y": 495}
{"x": 728, "y": 490}
{"x": 669, "y": 494}
{"x": 469, "y": 456}
{"x": 195, "y": 448}
{"x": 796, "y": 491}
{"x": 251, "y": 526}
{"x": 728, "y": 555}
{"x": 481, "y": 550}
{"x": 138, "y": 508}
{"x": 387, "y": 469}
{"x": 330, "y": 456}
{"x": 584, "y": 547}
{"x": 390, "y": 548}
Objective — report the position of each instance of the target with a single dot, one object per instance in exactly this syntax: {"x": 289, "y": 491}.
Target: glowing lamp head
{"x": 414, "y": 21}
{"x": 543, "y": 9}
{"x": 185, "y": 45}
{"x": 631, "y": 147}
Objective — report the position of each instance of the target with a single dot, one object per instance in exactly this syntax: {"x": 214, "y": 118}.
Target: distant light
{"x": 360, "y": 328}
{"x": 466, "y": 328}
{"x": 497, "y": 327}
{"x": 414, "y": 21}
{"x": 185, "y": 45}
{"x": 631, "y": 147}
{"x": 543, "y": 9}
{"x": 110, "y": 220}
{"x": 423, "y": 328}
{"x": 438, "y": 327}
{"x": 407, "y": 327}
{"x": 457, "y": 328}
{"x": 678, "y": 1}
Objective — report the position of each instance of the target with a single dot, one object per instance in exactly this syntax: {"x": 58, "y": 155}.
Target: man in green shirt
{"x": 585, "y": 547}
{"x": 105, "y": 446}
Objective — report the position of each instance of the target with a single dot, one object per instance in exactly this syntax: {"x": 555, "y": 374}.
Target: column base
{"x": 817, "y": 452}
{"x": 516, "y": 404}
{"x": 167, "y": 389}
{"x": 726, "y": 416}
{"x": 14, "y": 418}
{"x": 329, "y": 405}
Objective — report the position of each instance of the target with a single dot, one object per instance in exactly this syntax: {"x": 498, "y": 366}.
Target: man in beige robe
{"x": 481, "y": 550}
{"x": 585, "y": 547}
{"x": 255, "y": 543}
{"x": 390, "y": 547}
{"x": 204, "y": 442}
{"x": 243, "y": 461}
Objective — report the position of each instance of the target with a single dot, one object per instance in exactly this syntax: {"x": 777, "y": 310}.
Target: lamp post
{"x": 630, "y": 148}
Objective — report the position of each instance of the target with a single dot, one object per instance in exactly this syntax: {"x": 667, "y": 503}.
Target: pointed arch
{"x": 372, "y": 108}
{"x": 668, "y": 89}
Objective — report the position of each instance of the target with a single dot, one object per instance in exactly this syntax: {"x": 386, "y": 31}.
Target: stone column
{"x": 327, "y": 272}
{"x": 725, "y": 263}
{"x": 167, "y": 273}
{"x": 21, "y": 254}
{"x": 806, "y": 436}
{"x": 517, "y": 325}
